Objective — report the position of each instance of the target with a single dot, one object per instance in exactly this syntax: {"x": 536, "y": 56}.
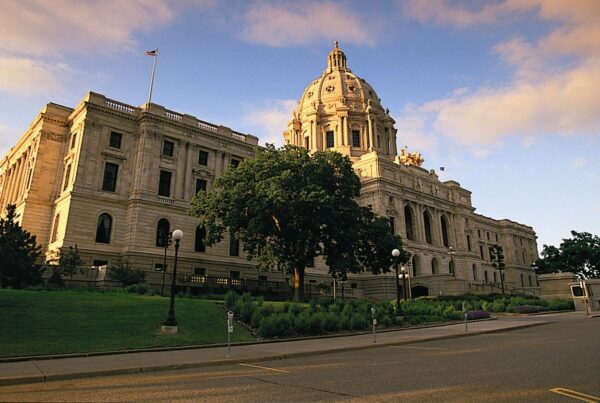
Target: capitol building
{"x": 111, "y": 178}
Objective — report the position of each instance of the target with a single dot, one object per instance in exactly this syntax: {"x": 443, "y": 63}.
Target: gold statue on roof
{"x": 406, "y": 158}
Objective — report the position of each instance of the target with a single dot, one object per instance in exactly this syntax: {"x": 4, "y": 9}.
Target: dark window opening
{"x": 355, "y": 138}
{"x": 427, "y": 225}
{"x": 329, "y": 139}
{"x": 67, "y": 177}
{"x": 393, "y": 225}
{"x": 168, "y": 148}
{"x": 199, "y": 271}
{"x": 307, "y": 143}
{"x": 103, "y": 228}
{"x": 99, "y": 262}
{"x": 162, "y": 232}
{"x": 445, "y": 232}
{"x": 109, "y": 183}
{"x": 234, "y": 274}
{"x": 408, "y": 221}
{"x": 200, "y": 185}
{"x": 73, "y": 140}
{"x": 115, "y": 140}
{"x": 203, "y": 157}
{"x": 199, "y": 245}
{"x": 164, "y": 184}
{"x": 469, "y": 243}
{"x": 262, "y": 278}
{"x": 234, "y": 163}
{"x": 234, "y": 246}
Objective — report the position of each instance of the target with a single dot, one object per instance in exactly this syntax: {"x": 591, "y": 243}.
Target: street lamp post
{"x": 396, "y": 254}
{"x": 170, "y": 325}
{"x": 404, "y": 275}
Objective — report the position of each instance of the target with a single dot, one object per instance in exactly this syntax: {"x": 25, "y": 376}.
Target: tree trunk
{"x": 298, "y": 284}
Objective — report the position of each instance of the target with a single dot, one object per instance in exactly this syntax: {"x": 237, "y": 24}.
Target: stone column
{"x": 371, "y": 137}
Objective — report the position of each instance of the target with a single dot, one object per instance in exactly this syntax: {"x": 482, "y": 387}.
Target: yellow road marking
{"x": 421, "y": 348}
{"x": 265, "y": 368}
{"x": 576, "y": 395}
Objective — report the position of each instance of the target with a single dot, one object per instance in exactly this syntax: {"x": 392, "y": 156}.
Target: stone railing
{"x": 207, "y": 126}
{"x": 165, "y": 200}
{"x": 172, "y": 115}
{"x": 119, "y": 106}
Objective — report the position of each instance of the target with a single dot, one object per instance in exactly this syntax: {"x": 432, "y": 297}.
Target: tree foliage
{"x": 287, "y": 207}
{"x": 125, "y": 274}
{"x": 18, "y": 253}
{"x": 579, "y": 254}
{"x": 65, "y": 262}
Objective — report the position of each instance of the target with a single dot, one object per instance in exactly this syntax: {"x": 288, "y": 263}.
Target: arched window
{"x": 495, "y": 278}
{"x": 427, "y": 225}
{"x": 408, "y": 222}
{"x": 445, "y": 231}
{"x": 416, "y": 265}
{"x": 54, "y": 235}
{"x": 474, "y": 272}
{"x": 199, "y": 245}
{"x": 485, "y": 277}
{"x": 103, "y": 228}
{"x": 162, "y": 232}
{"x": 435, "y": 266}
{"x": 451, "y": 267}
{"x": 530, "y": 282}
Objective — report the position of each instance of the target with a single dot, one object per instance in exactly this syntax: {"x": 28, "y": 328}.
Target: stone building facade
{"x": 448, "y": 241}
{"x": 113, "y": 178}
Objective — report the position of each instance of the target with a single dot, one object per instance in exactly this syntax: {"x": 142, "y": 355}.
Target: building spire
{"x": 336, "y": 59}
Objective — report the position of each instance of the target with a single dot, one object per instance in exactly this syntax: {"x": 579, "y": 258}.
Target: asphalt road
{"x": 525, "y": 365}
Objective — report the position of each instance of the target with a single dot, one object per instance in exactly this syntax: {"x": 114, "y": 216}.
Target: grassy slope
{"x": 42, "y": 322}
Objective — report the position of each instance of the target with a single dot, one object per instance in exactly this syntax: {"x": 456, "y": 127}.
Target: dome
{"x": 337, "y": 87}
{"x": 341, "y": 111}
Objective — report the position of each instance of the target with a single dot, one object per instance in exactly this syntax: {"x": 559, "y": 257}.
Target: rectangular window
{"x": 234, "y": 274}
{"x": 115, "y": 140}
{"x": 479, "y": 233}
{"x": 199, "y": 271}
{"x": 234, "y": 163}
{"x": 168, "y": 147}
{"x": 109, "y": 182}
{"x": 99, "y": 262}
{"x": 307, "y": 142}
{"x": 158, "y": 267}
{"x": 496, "y": 238}
{"x": 329, "y": 139}
{"x": 355, "y": 138}
{"x": 393, "y": 225}
{"x": 203, "y": 157}
{"x": 234, "y": 246}
{"x": 200, "y": 185}
{"x": 67, "y": 177}
{"x": 469, "y": 243}
{"x": 262, "y": 278}
{"x": 354, "y": 286}
{"x": 487, "y": 234}
{"x": 73, "y": 140}
{"x": 164, "y": 184}
{"x": 481, "y": 251}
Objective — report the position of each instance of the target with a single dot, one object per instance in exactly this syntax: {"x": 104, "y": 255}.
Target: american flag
{"x": 151, "y": 52}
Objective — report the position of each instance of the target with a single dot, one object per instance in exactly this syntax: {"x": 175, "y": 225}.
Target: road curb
{"x": 167, "y": 367}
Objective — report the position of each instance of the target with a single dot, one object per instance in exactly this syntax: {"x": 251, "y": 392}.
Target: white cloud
{"x": 24, "y": 76}
{"x": 45, "y": 28}
{"x": 305, "y": 22}
{"x": 413, "y": 132}
{"x": 546, "y": 96}
{"x": 269, "y": 120}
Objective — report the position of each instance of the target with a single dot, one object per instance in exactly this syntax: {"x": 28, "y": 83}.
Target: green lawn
{"x": 57, "y": 322}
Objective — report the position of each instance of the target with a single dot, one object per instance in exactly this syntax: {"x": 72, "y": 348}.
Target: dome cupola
{"x": 341, "y": 111}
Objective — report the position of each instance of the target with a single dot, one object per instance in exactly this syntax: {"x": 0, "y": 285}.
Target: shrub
{"x": 498, "y": 306}
{"x": 230, "y": 299}
{"x": 560, "y": 305}
{"x": 277, "y": 325}
{"x": 359, "y": 322}
{"x": 141, "y": 288}
{"x": 124, "y": 274}
{"x": 525, "y": 309}
{"x": 295, "y": 309}
{"x": 474, "y": 315}
{"x": 302, "y": 323}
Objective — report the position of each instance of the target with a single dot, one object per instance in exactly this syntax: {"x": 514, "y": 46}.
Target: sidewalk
{"x": 80, "y": 367}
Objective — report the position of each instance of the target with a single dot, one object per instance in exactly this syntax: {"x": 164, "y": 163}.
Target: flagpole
{"x": 152, "y": 77}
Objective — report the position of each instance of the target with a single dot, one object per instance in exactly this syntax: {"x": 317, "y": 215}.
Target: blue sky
{"x": 504, "y": 94}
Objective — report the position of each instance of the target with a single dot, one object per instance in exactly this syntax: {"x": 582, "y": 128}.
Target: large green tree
{"x": 18, "y": 253}
{"x": 287, "y": 207}
{"x": 579, "y": 254}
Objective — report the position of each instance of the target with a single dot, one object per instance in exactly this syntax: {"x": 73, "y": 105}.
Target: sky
{"x": 505, "y": 95}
